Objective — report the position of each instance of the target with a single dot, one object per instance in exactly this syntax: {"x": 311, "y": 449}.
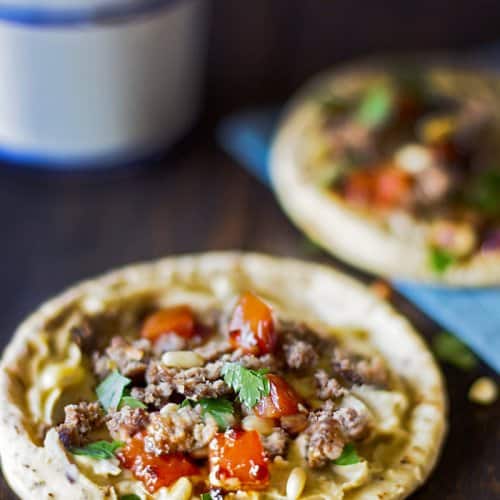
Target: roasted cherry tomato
{"x": 384, "y": 186}
{"x": 392, "y": 186}
{"x": 179, "y": 320}
{"x": 237, "y": 460}
{"x": 282, "y": 400}
{"x": 252, "y": 326}
{"x": 154, "y": 471}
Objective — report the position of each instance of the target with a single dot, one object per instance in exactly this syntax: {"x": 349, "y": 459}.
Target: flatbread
{"x": 354, "y": 236}
{"x": 307, "y": 291}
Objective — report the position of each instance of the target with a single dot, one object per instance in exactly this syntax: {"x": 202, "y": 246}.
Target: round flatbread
{"x": 44, "y": 369}
{"x": 318, "y": 146}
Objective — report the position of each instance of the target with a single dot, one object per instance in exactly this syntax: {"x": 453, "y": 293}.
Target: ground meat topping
{"x": 329, "y": 429}
{"x": 194, "y": 383}
{"x": 353, "y": 425}
{"x": 322, "y": 441}
{"x": 213, "y": 349}
{"x": 79, "y": 420}
{"x": 179, "y": 430}
{"x": 167, "y": 428}
{"x": 299, "y": 353}
{"x": 356, "y": 370}
{"x": 328, "y": 388}
{"x": 129, "y": 358}
{"x": 266, "y": 361}
{"x": 126, "y": 422}
{"x": 275, "y": 444}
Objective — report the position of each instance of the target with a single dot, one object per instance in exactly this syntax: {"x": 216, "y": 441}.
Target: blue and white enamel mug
{"x": 97, "y": 82}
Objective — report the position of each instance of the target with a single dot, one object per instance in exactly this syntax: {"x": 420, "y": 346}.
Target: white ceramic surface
{"x": 100, "y": 92}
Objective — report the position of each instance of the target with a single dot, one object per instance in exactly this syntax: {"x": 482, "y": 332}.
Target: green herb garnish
{"x": 250, "y": 385}
{"x": 449, "y": 349}
{"x": 110, "y": 390}
{"x": 132, "y": 402}
{"x": 186, "y": 402}
{"x": 100, "y": 450}
{"x": 131, "y": 496}
{"x": 375, "y": 106}
{"x": 349, "y": 456}
{"x": 206, "y": 496}
{"x": 220, "y": 409}
{"x": 440, "y": 260}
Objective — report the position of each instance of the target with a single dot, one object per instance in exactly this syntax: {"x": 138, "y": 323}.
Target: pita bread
{"x": 42, "y": 469}
{"x": 357, "y": 237}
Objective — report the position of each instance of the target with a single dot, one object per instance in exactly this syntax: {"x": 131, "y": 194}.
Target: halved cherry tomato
{"x": 392, "y": 186}
{"x": 384, "y": 186}
{"x": 252, "y": 326}
{"x": 178, "y": 319}
{"x": 154, "y": 471}
{"x": 238, "y": 455}
{"x": 282, "y": 400}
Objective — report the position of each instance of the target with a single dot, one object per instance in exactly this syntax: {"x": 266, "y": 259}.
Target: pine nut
{"x": 295, "y": 483}
{"x": 182, "y": 359}
{"x": 483, "y": 391}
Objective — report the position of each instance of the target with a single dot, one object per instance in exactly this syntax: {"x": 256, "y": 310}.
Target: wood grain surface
{"x": 58, "y": 229}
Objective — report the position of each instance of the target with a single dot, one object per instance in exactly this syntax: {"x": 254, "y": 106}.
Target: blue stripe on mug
{"x": 40, "y": 16}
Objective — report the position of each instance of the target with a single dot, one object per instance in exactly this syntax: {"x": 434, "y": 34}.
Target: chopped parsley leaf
{"x": 449, "y": 349}
{"x": 440, "y": 260}
{"x": 110, "y": 390}
{"x": 349, "y": 456}
{"x": 186, "y": 402}
{"x": 132, "y": 402}
{"x": 250, "y": 385}
{"x": 101, "y": 450}
{"x": 220, "y": 409}
{"x": 131, "y": 496}
{"x": 375, "y": 106}
{"x": 206, "y": 496}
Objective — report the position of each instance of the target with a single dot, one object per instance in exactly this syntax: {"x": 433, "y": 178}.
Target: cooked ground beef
{"x": 299, "y": 353}
{"x": 266, "y": 361}
{"x": 129, "y": 358}
{"x": 194, "y": 383}
{"x": 329, "y": 429}
{"x": 170, "y": 342}
{"x": 79, "y": 420}
{"x": 353, "y": 425}
{"x": 179, "y": 430}
{"x": 126, "y": 422}
{"x": 328, "y": 388}
{"x": 275, "y": 444}
{"x": 213, "y": 349}
{"x": 156, "y": 395}
{"x": 356, "y": 370}
{"x": 322, "y": 441}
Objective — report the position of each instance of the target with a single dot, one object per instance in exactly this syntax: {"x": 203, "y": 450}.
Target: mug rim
{"x": 47, "y": 17}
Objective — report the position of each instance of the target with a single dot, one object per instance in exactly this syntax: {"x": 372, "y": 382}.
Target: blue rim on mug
{"x": 42, "y": 16}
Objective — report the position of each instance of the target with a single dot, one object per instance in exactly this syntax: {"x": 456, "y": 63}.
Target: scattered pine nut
{"x": 483, "y": 391}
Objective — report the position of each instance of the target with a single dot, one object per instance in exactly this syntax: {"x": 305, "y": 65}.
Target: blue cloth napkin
{"x": 471, "y": 314}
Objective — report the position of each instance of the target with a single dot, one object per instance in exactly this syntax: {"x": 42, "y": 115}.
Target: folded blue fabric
{"x": 471, "y": 314}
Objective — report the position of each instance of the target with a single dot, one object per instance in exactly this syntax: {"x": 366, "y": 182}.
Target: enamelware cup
{"x": 94, "y": 83}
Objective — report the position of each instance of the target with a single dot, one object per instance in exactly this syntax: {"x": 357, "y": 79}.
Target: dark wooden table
{"x": 57, "y": 229}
